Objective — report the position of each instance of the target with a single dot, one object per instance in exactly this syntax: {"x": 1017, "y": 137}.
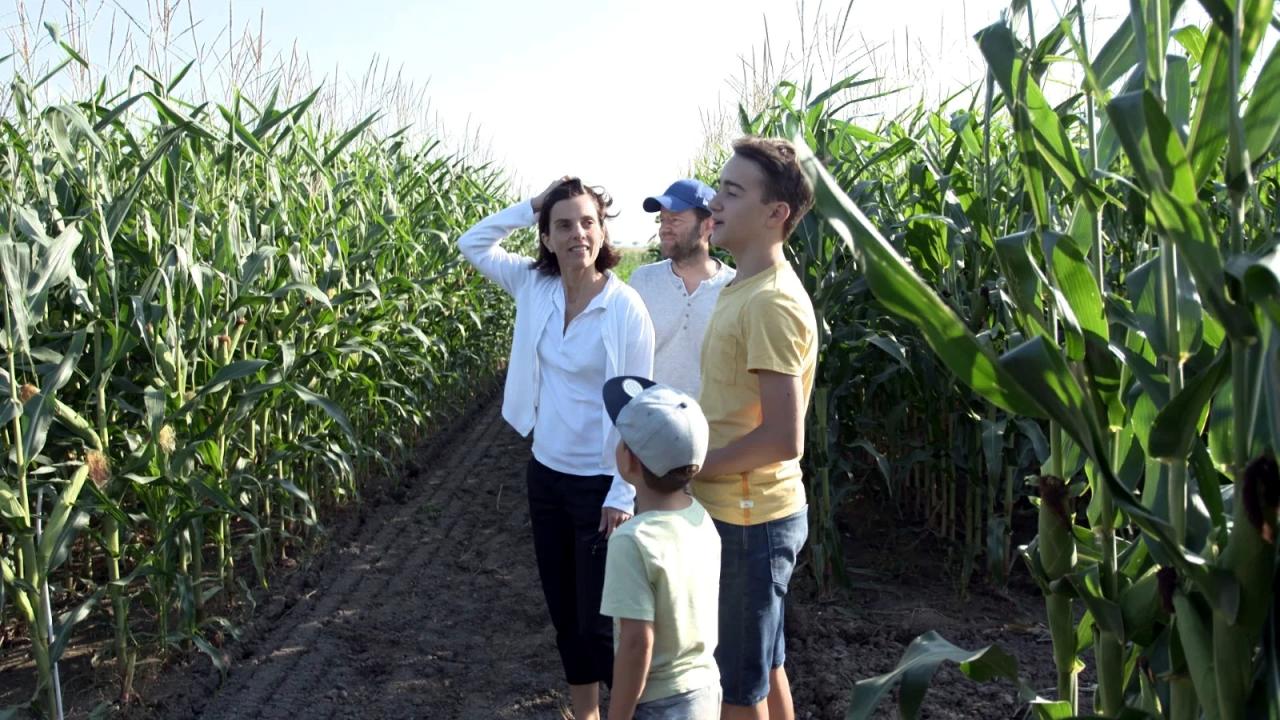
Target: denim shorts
{"x": 756, "y": 562}
{"x": 703, "y": 704}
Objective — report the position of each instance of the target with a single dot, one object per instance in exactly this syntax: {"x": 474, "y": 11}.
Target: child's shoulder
{"x": 660, "y": 527}
{"x": 626, "y": 532}
{"x": 693, "y": 523}
{"x": 700, "y": 520}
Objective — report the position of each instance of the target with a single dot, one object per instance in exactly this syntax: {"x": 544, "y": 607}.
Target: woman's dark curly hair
{"x": 547, "y": 263}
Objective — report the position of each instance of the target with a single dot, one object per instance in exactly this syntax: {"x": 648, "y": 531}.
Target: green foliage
{"x": 224, "y": 321}
{"x": 633, "y": 258}
{"x": 1076, "y": 300}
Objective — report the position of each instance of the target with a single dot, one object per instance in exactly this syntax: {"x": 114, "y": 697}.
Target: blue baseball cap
{"x": 682, "y": 195}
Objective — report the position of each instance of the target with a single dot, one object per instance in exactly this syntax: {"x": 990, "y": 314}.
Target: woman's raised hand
{"x": 537, "y": 201}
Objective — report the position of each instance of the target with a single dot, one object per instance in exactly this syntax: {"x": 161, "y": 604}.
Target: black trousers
{"x": 565, "y": 513}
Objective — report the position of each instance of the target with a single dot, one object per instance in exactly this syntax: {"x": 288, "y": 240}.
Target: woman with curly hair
{"x": 577, "y": 325}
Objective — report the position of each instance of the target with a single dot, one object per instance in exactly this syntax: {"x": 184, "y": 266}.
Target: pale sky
{"x": 615, "y": 92}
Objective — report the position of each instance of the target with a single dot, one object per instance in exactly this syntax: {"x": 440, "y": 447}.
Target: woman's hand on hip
{"x": 611, "y": 518}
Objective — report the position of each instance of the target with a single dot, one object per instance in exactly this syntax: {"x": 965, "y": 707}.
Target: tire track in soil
{"x": 433, "y": 612}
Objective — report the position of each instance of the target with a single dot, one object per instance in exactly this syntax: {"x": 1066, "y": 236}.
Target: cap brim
{"x": 665, "y": 202}
{"x": 618, "y": 392}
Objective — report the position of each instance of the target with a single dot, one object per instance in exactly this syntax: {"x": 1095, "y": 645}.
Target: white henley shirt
{"x": 679, "y": 320}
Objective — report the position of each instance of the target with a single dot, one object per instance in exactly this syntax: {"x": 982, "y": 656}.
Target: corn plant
{"x": 953, "y": 466}
{"x": 219, "y": 319}
{"x": 1105, "y": 270}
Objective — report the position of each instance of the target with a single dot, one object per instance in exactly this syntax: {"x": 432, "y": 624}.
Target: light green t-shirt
{"x": 663, "y": 566}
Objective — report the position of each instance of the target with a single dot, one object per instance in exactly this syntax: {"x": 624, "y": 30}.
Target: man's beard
{"x": 684, "y": 248}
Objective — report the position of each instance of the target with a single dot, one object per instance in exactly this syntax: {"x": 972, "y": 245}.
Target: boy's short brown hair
{"x": 675, "y": 481}
{"x": 784, "y": 180}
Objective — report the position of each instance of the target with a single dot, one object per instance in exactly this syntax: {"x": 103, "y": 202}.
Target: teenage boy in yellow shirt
{"x": 758, "y": 362}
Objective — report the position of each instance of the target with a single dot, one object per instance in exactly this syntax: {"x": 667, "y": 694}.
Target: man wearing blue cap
{"x": 681, "y": 290}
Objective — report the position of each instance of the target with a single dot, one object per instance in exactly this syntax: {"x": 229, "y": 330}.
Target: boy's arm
{"x": 779, "y": 437}
{"x": 630, "y": 667}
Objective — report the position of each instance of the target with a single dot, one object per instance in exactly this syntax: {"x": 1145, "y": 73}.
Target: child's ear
{"x": 629, "y": 458}
{"x": 778, "y": 215}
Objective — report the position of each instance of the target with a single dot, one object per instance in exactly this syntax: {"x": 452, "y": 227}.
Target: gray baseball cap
{"x": 664, "y": 427}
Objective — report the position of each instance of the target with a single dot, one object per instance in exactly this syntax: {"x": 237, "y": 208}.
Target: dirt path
{"x": 426, "y": 604}
{"x": 431, "y": 610}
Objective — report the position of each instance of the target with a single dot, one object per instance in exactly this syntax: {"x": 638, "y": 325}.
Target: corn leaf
{"x": 1180, "y": 422}
{"x": 1158, "y": 156}
{"x": 902, "y": 291}
{"x": 346, "y": 139}
{"x": 1213, "y": 90}
{"x": 1262, "y": 116}
{"x": 1261, "y": 278}
{"x": 1192, "y": 623}
{"x": 1042, "y": 137}
{"x": 227, "y": 374}
{"x": 52, "y": 535}
{"x": 330, "y": 408}
{"x": 1119, "y": 54}
{"x": 918, "y": 664}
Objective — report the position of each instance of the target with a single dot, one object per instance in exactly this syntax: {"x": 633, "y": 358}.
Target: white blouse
{"x": 567, "y": 434}
{"x": 625, "y": 336}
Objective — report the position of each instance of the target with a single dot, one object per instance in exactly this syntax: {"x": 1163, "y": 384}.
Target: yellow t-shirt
{"x": 765, "y": 322}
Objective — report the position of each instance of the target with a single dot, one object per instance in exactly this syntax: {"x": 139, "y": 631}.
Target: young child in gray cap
{"x": 662, "y": 572}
